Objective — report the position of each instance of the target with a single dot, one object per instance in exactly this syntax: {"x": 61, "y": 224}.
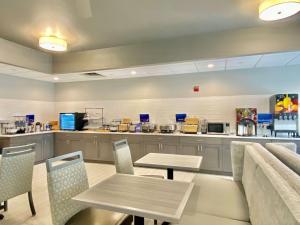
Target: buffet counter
{"x": 97, "y": 146}
{"x": 176, "y": 134}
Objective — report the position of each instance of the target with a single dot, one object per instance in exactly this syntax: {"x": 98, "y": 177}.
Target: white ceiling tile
{"x": 217, "y": 65}
{"x": 276, "y": 59}
{"x": 295, "y": 61}
{"x": 158, "y": 70}
{"x": 182, "y": 68}
{"x": 243, "y": 62}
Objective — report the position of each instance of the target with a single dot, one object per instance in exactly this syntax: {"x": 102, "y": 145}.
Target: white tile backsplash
{"x": 164, "y": 110}
{"x": 43, "y": 110}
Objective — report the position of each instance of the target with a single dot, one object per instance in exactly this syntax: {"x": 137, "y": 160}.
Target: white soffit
{"x": 277, "y": 59}
{"x": 211, "y": 65}
{"x": 226, "y": 64}
{"x": 244, "y": 62}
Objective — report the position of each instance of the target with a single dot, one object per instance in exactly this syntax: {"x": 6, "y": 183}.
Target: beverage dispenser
{"x": 284, "y": 108}
{"x": 246, "y": 121}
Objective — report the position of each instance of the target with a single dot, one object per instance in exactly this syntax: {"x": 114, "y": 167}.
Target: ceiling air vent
{"x": 93, "y": 74}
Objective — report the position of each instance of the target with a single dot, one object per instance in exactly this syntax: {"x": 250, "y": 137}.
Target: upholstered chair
{"x": 16, "y": 169}
{"x": 66, "y": 179}
{"x": 123, "y": 160}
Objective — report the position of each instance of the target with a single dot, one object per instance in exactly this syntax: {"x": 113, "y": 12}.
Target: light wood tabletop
{"x": 139, "y": 196}
{"x": 170, "y": 161}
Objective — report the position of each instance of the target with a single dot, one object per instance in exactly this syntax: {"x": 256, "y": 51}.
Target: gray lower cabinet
{"x": 161, "y": 144}
{"x": 90, "y": 146}
{"x": 44, "y": 144}
{"x": 210, "y": 149}
{"x": 105, "y": 148}
{"x": 67, "y": 143}
{"x": 215, "y": 151}
{"x": 212, "y": 157}
{"x": 48, "y": 146}
{"x": 226, "y": 159}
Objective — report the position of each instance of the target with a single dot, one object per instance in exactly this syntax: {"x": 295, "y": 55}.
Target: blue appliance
{"x": 72, "y": 121}
{"x": 266, "y": 118}
{"x": 180, "y": 118}
{"x": 144, "y": 118}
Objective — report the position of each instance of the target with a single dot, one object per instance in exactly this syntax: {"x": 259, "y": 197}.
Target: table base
{"x": 138, "y": 220}
{"x": 170, "y": 174}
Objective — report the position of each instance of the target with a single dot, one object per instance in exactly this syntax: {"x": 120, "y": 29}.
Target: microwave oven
{"x": 72, "y": 121}
{"x": 218, "y": 128}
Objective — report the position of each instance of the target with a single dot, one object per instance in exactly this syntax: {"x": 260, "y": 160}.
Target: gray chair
{"x": 16, "y": 169}
{"x": 123, "y": 160}
{"x": 66, "y": 179}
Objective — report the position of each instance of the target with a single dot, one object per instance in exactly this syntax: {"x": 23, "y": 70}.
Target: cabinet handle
{"x": 198, "y": 148}
{"x": 201, "y": 148}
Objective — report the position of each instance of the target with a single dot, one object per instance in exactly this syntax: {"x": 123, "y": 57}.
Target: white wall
{"x": 163, "y": 97}
{"x": 20, "y": 96}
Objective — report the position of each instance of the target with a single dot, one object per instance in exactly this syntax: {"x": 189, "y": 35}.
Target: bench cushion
{"x": 285, "y": 155}
{"x": 271, "y": 198}
{"x": 205, "y": 219}
{"x": 218, "y": 196}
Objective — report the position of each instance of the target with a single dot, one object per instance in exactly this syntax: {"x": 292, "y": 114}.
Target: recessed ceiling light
{"x": 211, "y": 65}
{"x": 53, "y": 43}
{"x": 133, "y": 72}
{"x": 270, "y": 10}
{"x": 56, "y": 78}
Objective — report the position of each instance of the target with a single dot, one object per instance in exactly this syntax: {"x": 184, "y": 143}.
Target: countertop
{"x": 176, "y": 134}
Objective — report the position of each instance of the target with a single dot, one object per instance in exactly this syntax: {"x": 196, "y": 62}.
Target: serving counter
{"x": 97, "y": 146}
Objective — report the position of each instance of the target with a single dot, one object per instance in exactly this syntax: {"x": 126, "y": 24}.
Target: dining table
{"x": 170, "y": 162}
{"x": 141, "y": 197}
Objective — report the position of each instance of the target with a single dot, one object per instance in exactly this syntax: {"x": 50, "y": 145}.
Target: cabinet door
{"x": 90, "y": 147}
{"x": 168, "y": 148}
{"x": 136, "y": 150}
{"x": 151, "y": 147}
{"x": 211, "y": 157}
{"x": 226, "y": 159}
{"x": 189, "y": 149}
{"x": 48, "y": 146}
{"x": 105, "y": 148}
{"x": 67, "y": 143}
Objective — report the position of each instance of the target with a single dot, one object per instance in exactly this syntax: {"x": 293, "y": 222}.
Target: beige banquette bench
{"x": 265, "y": 189}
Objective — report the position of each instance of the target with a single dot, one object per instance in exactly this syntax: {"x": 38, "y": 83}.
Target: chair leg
{"x": 5, "y": 206}
{"x": 31, "y": 203}
{"x": 155, "y": 222}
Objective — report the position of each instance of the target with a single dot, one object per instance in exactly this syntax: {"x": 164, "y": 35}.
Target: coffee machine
{"x": 246, "y": 121}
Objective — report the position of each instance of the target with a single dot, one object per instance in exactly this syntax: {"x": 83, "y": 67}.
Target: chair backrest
{"x": 66, "y": 179}
{"x": 16, "y": 169}
{"x": 122, "y": 156}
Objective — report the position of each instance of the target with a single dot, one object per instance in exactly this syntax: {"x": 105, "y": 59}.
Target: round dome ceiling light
{"x": 270, "y": 10}
{"x": 53, "y": 43}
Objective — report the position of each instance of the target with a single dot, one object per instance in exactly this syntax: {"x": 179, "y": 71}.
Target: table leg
{"x": 165, "y": 223}
{"x": 170, "y": 174}
{"x": 138, "y": 220}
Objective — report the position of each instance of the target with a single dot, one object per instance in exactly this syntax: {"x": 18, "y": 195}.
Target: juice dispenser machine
{"x": 284, "y": 108}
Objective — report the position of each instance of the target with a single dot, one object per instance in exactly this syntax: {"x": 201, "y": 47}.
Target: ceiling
{"x": 93, "y": 24}
{"x": 226, "y": 64}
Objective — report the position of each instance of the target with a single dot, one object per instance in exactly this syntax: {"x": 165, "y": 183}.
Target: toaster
{"x": 167, "y": 128}
{"x": 189, "y": 129}
{"x": 123, "y": 127}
